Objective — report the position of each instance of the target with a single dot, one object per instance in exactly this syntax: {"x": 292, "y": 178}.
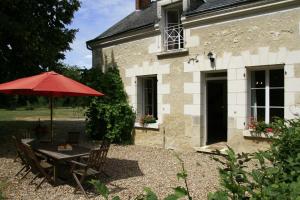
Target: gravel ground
{"x": 130, "y": 169}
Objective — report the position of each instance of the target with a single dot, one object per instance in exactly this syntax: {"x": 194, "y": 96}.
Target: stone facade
{"x": 271, "y": 38}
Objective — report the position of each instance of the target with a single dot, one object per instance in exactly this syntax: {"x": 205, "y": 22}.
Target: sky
{"x": 93, "y": 18}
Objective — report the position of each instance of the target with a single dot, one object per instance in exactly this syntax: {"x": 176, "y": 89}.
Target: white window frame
{"x": 267, "y": 88}
{"x": 169, "y": 28}
{"x": 144, "y": 95}
{"x": 141, "y": 96}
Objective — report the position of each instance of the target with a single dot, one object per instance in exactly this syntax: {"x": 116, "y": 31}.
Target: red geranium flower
{"x": 269, "y": 130}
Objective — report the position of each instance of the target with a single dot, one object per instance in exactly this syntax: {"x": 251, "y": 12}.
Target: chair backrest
{"x": 16, "y": 143}
{"x": 34, "y": 161}
{"x": 97, "y": 158}
{"x": 105, "y": 144}
{"x": 73, "y": 137}
{"x": 20, "y": 151}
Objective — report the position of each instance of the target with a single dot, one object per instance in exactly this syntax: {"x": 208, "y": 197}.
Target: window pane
{"x": 276, "y": 112}
{"x": 150, "y": 96}
{"x": 258, "y": 114}
{"x": 276, "y": 97}
{"x": 277, "y": 78}
{"x": 173, "y": 17}
{"x": 258, "y": 79}
{"x": 258, "y": 97}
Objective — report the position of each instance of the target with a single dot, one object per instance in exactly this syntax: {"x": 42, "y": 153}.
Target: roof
{"x": 212, "y": 5}
{"x": 148, "y": 17}
{"x": 135, "y": 20}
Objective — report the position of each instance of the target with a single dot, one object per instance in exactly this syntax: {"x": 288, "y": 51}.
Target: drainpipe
{"x": 164, "y": 138}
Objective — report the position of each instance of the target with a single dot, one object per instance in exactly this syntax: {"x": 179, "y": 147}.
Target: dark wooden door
{"x": 216, "y": 111}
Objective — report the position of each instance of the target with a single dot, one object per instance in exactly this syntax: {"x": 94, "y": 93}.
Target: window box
{"x": 253, "y": 134}
{"x": 147, "y": 126}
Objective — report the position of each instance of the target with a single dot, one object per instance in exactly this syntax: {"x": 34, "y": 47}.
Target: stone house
{"x": 202, "y": 68}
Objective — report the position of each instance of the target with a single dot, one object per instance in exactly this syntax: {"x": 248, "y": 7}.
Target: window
{"x": 173, "y": 32}
{"x": 147, "y": 96}
{"x": 267, "y": 94}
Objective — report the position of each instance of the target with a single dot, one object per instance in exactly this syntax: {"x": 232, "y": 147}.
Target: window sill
{"x": 251, "y": 134}
{"x": 147, "y": 126}
{"x": 170, "y": 53}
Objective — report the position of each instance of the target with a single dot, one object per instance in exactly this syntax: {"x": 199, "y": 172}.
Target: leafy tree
{"x": 75, "y": 73}
{"x": 34, "y": 35}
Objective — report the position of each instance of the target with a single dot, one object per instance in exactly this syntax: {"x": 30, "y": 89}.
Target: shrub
{"x": 277, "y": 174}
{"x": 111, "y": 121}
{"x": 109, "y": 116}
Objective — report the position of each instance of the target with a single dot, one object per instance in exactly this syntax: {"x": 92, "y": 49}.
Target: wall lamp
{"x": 211, "y": 57}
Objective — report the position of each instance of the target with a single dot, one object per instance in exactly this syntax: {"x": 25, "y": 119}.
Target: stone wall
{"x": 266, "y": 40}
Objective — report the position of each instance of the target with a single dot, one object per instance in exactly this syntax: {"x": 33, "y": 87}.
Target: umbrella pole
{"x": 51, "y": 118}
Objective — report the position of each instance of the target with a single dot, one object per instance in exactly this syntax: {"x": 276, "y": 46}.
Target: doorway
{"x": 216, "y": 105}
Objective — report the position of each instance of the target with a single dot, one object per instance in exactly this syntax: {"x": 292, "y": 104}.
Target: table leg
{"x": 54, "y": 174}
{"x": 55, "y": 164}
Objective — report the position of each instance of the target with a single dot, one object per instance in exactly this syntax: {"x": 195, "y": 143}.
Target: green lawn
{"x": 41, "y": 113}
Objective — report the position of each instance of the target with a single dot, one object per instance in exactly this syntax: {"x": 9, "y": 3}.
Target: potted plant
{"x": 147, "y": 119}
{"x": 258, "y": 128}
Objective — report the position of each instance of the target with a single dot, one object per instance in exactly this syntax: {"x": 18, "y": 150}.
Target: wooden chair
{"x": 41, "y": 167}
{"x": 105, "y": 144}
{"x": 21, "y": 156}
{"x": 93, "y": 167}
{"x": 73, "y": 138}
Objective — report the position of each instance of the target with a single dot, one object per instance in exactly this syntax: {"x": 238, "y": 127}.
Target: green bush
{"x": 111, "y": 121}
{"x": 276, "y": 175}
{"x": 109, "y": 116}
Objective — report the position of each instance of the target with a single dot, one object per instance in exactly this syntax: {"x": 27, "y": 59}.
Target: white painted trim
{"x": 267, "y": 96}
{"x": 267, "y": 91}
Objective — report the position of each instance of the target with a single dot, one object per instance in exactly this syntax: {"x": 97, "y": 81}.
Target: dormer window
{"x": 173, "y": 31}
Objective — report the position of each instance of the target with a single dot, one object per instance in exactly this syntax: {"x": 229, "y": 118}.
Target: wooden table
{"x": 50, "y": 151}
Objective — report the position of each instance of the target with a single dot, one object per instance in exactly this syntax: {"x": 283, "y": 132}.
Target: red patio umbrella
{"x": 49, "y": 84}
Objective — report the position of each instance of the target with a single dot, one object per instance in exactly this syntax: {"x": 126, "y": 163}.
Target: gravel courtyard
{"x": 130, "y": 169}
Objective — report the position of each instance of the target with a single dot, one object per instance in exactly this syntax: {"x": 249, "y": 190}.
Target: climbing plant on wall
{"x": 111, "y": 116}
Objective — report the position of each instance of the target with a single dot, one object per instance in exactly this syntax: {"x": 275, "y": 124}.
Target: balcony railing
{"x": 173, "y": 37}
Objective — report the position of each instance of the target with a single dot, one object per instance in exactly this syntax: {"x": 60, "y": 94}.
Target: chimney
{"x": 142, "y": 4}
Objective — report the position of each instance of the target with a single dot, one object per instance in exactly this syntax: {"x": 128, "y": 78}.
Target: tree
{"x": 34, "y": 35}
